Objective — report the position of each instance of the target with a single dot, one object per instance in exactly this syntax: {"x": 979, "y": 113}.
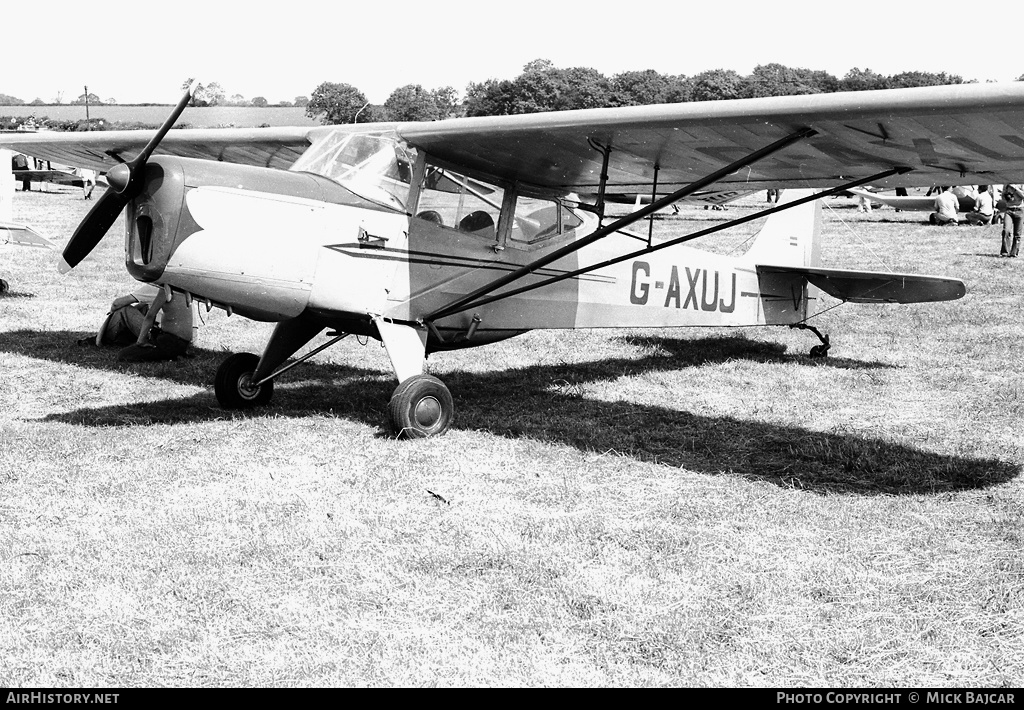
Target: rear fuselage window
{"x": 538, "y": 219}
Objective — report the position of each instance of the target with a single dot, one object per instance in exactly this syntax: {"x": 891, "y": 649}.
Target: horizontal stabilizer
{"x": 23, "y": 236}
{"x": 875, "y": 286}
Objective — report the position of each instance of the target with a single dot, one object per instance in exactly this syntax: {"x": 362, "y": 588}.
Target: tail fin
{"x": 786, "y": 254}
{"x": 791, "y": 237}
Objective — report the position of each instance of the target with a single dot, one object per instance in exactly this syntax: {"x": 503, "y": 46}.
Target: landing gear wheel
{"x": 4, "y": 286}
{"x": 420, "y": 407}
{"x": 233, "y": 383}
{"x": 819, "y": 351}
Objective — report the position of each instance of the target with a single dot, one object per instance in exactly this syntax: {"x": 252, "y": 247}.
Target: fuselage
{"x": 275, "y": 245}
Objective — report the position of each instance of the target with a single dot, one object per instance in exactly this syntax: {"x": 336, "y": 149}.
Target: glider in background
{"x": 912, "y": 203}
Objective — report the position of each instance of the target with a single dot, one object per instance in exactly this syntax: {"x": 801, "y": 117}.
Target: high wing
{"x": 953, "y": 135}
{"x": 101, "y": 150}
{"x": 875, "y": 286}
{"x": 964, "y": 134}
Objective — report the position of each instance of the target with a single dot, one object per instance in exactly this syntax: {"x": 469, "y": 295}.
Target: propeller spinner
{"x": 125, "y": 182}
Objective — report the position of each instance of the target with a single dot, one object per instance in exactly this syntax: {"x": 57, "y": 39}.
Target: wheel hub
{"x": 427, "y": 412}
{"x": 246, "y": 388}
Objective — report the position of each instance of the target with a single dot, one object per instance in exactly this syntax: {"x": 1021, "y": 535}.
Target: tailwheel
{"x": 420, "y": 407}
{"x": 233, "y": 383}
{"x": 818, "y": 351}
{"x": 821, "y": 350}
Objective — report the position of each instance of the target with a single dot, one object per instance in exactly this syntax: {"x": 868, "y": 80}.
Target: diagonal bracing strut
{"x": 463, "y": 302}
{"x": 466, "y": 304}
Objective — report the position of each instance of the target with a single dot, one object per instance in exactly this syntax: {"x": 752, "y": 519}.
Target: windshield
{"x": 377, "y": 167}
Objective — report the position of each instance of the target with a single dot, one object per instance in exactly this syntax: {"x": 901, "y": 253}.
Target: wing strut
{"x": 622, "y": 222}
{"x": 466, "y": 304}
{"x": 606, "y": 153}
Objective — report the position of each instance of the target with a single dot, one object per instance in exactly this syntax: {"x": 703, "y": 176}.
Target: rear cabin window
{"x": 536, "y": 220}
{"x": 467, "y": 204}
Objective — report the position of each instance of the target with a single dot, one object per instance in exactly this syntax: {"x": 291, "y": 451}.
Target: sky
{"x": 281, "y": 50}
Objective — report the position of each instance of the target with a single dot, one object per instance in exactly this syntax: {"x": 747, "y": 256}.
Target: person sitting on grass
{"x": 165, "y": 332}
{"x": 946, "y": 207}
{"x": 124, "y": 319}
{"x": 984, "y": 208}
{"x": 132, "y": 322}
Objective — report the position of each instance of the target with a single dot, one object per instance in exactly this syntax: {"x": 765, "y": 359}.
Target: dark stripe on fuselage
{"x": 360, "y": 251}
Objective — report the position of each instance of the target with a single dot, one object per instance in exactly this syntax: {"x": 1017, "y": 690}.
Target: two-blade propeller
{"x": 125, "y": 182}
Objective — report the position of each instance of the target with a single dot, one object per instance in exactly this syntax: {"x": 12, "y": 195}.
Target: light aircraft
{"x": 458, "y": 233}
{"x": 707, "y": 198}
{"x": 55, "y": 175}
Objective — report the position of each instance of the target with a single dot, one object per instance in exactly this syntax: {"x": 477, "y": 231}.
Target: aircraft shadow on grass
{"x": 548, "y": 403}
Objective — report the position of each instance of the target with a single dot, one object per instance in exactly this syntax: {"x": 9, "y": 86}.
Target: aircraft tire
{"x": 231, "y": 385}
{"x": 421, "y": 407}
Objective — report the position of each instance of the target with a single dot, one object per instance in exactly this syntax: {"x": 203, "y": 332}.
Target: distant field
{"x": 208, "y": 117}
{"x": 622, "y": 507}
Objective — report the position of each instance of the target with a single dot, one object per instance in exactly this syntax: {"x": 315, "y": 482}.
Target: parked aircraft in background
{"x": 912, "y": 203}
{"x": 23, "y": 235}
{"x": 58, "y": 175}
{"x": 453, "y": 234}
{"x": 707, "y": 198}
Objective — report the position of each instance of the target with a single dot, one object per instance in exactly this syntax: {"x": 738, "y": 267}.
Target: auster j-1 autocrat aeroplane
{"x": 458, "y": 233}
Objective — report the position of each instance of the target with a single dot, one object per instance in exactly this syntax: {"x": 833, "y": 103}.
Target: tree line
{"x": 211, "y": 94}
{"x": 541, "y": 86}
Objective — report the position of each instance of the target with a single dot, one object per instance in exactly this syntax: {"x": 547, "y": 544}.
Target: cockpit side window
{"x": 450, "y": 199}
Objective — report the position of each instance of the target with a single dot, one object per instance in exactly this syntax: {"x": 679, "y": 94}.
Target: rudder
{"x": 791, "y": 237}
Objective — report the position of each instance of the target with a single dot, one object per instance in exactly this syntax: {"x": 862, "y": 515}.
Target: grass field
{"x": 612, "y": 508}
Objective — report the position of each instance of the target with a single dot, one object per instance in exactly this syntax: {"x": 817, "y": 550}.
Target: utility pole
{"x": 88, "y": 125}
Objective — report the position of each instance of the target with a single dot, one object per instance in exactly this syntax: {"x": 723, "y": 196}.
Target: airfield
{"x": 691, "y": 507}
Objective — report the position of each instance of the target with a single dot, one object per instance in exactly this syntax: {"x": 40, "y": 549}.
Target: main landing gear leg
{"x": 245, "y": 381}
{"x": 421, "y": 405}
{"x": 817, "y": 350}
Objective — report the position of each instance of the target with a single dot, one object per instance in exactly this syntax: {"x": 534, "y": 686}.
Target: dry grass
{"x": 613, "y": 508}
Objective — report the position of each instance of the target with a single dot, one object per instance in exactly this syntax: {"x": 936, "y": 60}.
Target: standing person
{"x": 88, "y": 182}
{"x": 166, "y": 338}
{"x": 983, "y": 208}
{"x": 18, "y": 163}
{"x": 946, "y": 207}
{"x": 1013, "y": 216}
